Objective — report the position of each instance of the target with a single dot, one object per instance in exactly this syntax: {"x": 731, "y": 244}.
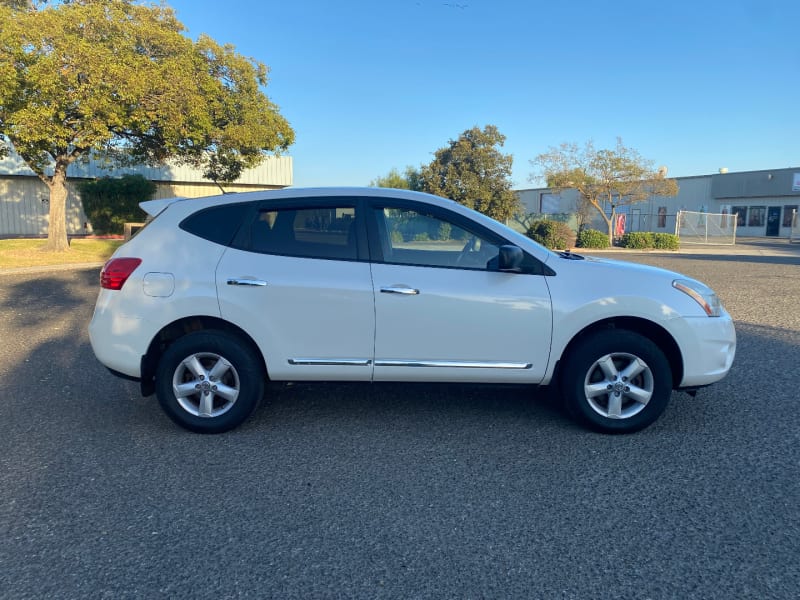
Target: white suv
{"x": 216, "y": 295}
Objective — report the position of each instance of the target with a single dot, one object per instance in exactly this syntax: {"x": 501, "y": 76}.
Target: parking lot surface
{"x": 398, "y": 491}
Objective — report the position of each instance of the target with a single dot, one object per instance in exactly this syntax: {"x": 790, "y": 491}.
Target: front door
{"x": 443, "y": 313}
{"x": 773, "y": 220}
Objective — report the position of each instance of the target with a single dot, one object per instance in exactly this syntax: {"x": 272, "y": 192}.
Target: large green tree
{"x": 605, "y": 179}
{"x": 473, "y": 171}
{"x": 120, "y": 78}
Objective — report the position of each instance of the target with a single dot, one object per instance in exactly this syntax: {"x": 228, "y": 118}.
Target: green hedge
{"x": 667, "y": 241}
{"x": 644, "y": 240}
{"x": 638, "y": 240}
{"x": 591, "y": 238}
{"x": 551, "y": 234}
{"x": 109, "y": 202}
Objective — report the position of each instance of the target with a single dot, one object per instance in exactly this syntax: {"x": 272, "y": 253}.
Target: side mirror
{"x": 510, "y": 259}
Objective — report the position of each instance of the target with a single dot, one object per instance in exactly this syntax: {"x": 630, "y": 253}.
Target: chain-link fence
{"x": 705, "y": 228}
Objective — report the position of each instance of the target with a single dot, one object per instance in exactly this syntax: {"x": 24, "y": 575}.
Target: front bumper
{"x": 708, "y": 345}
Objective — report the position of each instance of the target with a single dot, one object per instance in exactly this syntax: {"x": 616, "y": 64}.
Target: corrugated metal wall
{"x": 24, "y": 208}
{"x": 24, "y": 204}
{"x": 24, "y": 198}
{"x": 274, "y": 171}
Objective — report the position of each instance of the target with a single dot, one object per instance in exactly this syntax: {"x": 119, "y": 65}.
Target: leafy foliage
{"x": 604, "y": 178}
{"x": 591, "y": 238}
{"x": 638, "y": 240}
{"x": 551, "y": 234}
{"x": 642, "y": 240}
{"x": 472, "y": 171}
{"x": 109, "y": 203}
{"x": 395, "y": 179}
{"x": 119, "y": 77}
{"x": 666, "y": 241}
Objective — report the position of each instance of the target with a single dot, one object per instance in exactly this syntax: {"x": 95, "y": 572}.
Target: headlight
{"x": 702, "y": 294}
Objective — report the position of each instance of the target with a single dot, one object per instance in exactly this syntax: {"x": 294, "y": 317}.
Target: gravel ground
{"x": 398, "y": 491}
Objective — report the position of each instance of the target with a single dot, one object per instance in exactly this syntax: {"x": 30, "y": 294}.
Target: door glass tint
{"x": 413, "y": 238}
{"x": 327, "y": 232}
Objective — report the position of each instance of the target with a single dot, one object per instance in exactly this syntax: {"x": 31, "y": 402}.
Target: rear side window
{"x": 217, "y": 224}
{"x": 320, "y": 232}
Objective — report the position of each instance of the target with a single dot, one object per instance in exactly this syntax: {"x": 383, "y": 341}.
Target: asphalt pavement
{"x": 399, "y": 491}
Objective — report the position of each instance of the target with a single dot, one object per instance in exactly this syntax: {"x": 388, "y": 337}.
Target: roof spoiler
{"x": 154, "y": 207}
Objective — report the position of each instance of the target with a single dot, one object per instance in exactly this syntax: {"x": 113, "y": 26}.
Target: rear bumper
{"x": 118, "y": 340}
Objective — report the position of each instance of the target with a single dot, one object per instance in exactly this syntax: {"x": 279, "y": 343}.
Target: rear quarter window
{"x": 217, "y": 224}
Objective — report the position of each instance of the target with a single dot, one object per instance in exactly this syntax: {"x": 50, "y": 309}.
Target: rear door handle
{"x": 400, "y": 289}
{"x": 247, "y": 282}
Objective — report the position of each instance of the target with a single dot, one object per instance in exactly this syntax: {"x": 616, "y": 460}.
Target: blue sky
{"x": 368, "y": 86}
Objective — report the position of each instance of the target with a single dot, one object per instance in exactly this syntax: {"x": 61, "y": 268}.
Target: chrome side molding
{"x": 451, "y": 364}
{"x": 329, "y": 362}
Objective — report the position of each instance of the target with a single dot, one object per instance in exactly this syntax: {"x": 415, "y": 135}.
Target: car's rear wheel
{"x": 209, "y": 381}
{"x": 616, "y": 381}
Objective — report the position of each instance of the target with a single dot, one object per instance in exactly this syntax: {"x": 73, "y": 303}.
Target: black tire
{"x": 222, "y": 380}
{"x": 596, "y": 390}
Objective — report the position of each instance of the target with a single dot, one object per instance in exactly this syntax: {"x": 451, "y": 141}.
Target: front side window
{"x": 415, "y": 238}
{"x": 320, "y": 232}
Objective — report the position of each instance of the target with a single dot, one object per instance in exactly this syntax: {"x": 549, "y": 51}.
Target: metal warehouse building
{"x": 24, "y": 208}
{"x": 764, "y": 202}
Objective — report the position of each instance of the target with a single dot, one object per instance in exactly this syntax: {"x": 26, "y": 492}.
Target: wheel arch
{"x": 179, "y": 328}
{"x": 653, "y": 331}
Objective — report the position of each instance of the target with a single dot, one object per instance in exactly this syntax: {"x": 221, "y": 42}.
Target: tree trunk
{"x": 610, "y": 224}
{"x": 57, "y": 230}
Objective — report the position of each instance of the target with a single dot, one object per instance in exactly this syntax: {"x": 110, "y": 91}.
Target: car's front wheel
{"x": 616, "y": 381}
{"x": 209, "y": 381}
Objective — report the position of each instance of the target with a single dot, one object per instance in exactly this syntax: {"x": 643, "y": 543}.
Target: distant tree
{"x": 472, "y": 170}
{"x": 118, "y": 77}
{"x": 605, "y": 179}
{"x": 394, "y": 179}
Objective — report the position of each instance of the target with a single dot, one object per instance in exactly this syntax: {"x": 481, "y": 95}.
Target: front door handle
{"x": 247, "y": 282}
{"x": 400, "y": 289}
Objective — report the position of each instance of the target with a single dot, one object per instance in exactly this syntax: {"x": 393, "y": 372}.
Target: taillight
{"x": 116, "y": 272}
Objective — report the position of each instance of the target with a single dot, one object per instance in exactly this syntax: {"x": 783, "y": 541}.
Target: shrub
{"x": 109, "y": 202}
{"x": 591, "y": 238}
{"x": 638, "y": 240}
{"x": 551, "y": 234}
{"x": 666, "y": 241}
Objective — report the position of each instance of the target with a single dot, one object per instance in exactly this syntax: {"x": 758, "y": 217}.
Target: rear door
{"x": 298, "y": 281}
